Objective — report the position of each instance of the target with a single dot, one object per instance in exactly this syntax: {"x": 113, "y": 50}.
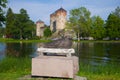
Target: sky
{"x": 41, "y": 9}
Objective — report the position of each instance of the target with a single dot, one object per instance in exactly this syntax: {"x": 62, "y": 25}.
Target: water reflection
{"x": 88, "y": 53}
{"x": 97, "y": 53}
{"x": 2, "y": 50}
{"x": 19, "y": 49}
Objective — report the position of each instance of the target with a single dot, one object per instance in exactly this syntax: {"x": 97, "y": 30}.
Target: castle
{"x": 57, "y": 22}
{"x": 40, "y": 28}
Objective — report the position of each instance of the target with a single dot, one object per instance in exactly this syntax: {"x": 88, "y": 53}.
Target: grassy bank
{"x": 110, "y": 71}
{"x": 13, "y": 68}
{"x": 98, "y": 41}
{"x": 24, "y": 41}
{"x": 46, "y": 40}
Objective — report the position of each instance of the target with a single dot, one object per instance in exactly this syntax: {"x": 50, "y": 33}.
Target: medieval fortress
{"x": 57, "y": 22}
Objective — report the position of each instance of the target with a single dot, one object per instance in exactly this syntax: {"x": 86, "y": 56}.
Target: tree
{"x": 80, "y": 21}
{"x": 19, "y": 26}
{"x": 3, "y": 4}
{"x": 2, "y": 29}
{"x": 10, "y": 27}
{"x": 47, "y": 32}
{"x": 85, "y": 22}
{"x": 117, "y": 12}
{"x": 113, "y": 24}
{"x": 29, "y": 30}
{"x": 98, "y": 30}
{"x": 23, "y": 19}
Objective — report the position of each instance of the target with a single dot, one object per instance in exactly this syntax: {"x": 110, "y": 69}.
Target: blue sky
{"x": 41, "y": 9}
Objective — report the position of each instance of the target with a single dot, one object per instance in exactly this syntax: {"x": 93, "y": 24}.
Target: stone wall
{"x": 39, "y": 28}
{"x": 58, "y": 20}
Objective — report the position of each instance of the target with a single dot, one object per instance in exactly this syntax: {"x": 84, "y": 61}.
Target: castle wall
{"x": 58, "y": 20}
{"x": 52, "y": 20}
{"x": 39, "y": 29}
{"x": 61, "y": 20}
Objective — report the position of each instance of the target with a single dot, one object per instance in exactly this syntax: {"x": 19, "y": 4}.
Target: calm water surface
{"x": 88, "y": 53}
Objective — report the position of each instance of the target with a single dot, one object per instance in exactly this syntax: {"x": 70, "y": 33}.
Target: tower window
{"x": 54, "y": 26}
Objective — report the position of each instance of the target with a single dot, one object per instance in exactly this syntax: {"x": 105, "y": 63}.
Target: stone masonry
{"x": 39, "y": 28}
{"x": 58, "y": 20}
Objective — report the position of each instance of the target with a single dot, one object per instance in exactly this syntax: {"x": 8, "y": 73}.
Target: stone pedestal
{"x": 55, "y": 66}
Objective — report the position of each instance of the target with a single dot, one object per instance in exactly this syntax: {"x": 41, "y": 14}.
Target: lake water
{"x": 88, "y": 53}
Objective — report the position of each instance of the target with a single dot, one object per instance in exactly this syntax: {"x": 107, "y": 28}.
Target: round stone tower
{"x": 58, "y": 20}
{"x": 39, "y": 28}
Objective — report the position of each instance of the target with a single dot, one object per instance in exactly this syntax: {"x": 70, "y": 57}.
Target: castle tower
{"x": 58, "y": 20}
{"x": 39, "y": 28}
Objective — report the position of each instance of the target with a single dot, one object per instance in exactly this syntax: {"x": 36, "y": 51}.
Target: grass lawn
{"x": 13, "y": 68}
{"x": 110, "y": 71}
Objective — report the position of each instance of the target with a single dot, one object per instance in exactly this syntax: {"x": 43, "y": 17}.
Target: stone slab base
{"x": 54, "y": 66}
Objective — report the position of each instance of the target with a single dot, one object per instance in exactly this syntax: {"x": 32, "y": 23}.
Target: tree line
{"x": 3, "y": 4}
{"x": 19, "y": 25}
{"x": 84, "y": 25}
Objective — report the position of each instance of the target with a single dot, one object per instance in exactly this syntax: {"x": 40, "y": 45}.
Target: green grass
{"x": 110, "y": 71}
{"x": 13, "y": 68}
{"x": 9, "y": 40}
{"x": 24, "y": 41}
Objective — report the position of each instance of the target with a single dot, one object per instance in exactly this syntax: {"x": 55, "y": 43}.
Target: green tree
{"x": 2, "y": 31}
{"x": 113, "y": 24}
{"x": 47, "y": 32}
{"x": 85, "y": 22}
{"x": 98, "y": 30}
{"x": 25, "y": 26}
{"x": 3, "y": 4}
{"x": 10, "y": 18}
{"x": 117, "y": 12}
{"x": 19, "y": 26}
{"x": 29, "y": 30}
{"x": 23, "y": 19}
{"x": 80, "y": 21}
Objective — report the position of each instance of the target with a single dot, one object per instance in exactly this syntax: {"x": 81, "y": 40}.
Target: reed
{"x": 12, "y": 68}
{"x": 110, "y": 71}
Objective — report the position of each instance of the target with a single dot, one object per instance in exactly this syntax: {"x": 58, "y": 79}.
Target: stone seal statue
{"x": 59, "y": 43}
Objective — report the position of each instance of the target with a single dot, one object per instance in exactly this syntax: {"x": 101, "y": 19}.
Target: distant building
{"x": 58, "y": 20}
{"x": 40, "y": 26}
